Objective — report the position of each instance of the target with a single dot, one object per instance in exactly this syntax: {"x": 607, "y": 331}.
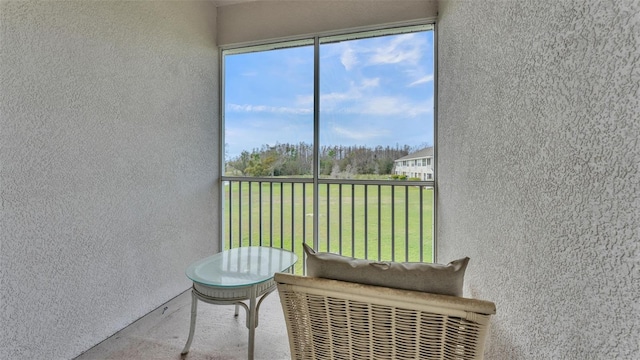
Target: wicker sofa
{"x": 332, "y": 319}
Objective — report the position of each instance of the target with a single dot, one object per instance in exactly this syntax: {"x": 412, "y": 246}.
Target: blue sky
{"x": 375, "y": 91}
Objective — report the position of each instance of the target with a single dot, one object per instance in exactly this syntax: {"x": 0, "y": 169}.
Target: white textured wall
{"x": 271, "y": 19}
{"x": 539, "y": 171}
{"x": 107, "y": 165}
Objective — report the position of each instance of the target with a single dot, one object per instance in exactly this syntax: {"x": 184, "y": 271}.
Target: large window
{"x": 373, "y": 95}
{"x": 333, "y": 115}
{"x": 268, "y": 110}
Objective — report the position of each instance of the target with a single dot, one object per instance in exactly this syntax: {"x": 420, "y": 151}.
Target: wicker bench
{"x": 330, "y": 319}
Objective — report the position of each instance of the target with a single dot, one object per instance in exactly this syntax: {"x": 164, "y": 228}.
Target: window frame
{"x": 315, "y": 39}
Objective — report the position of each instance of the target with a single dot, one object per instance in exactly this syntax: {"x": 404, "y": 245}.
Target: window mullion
{"x": 316, "y": 138}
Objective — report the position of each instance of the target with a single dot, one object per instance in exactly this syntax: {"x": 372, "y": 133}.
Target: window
{"x": 310, "y": 116}
{"x": 375, "y": 100}
{"x": 268, "y": 111}
{"x": 374, "y": 103}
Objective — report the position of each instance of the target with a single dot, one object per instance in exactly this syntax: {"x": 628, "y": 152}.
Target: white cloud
{"x": 348, "y": 58}
{"x": 422, "y": 80}
{"x": 391, "y": 106}
{"x": 336, "y": 97}
{"x": 403, "y": 48}
{"x": 367, "y": 83}
{"x": 257, "y": 131}
{"x": 333, "y": 100}
{"x": 304, "y": 100}
{"x": 358, "y": 134}
{"x": 355, "y": 92}
{"x": 267, "y": 109}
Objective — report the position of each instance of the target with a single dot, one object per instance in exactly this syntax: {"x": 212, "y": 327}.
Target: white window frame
{"x": 398, "y": 28}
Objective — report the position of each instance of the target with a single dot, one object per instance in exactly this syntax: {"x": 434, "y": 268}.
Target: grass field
{"x": 366, "y": 221}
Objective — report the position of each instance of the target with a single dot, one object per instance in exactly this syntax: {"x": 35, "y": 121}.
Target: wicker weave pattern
{"x": 240, "y": 293}
{"x": 328, "y": 319}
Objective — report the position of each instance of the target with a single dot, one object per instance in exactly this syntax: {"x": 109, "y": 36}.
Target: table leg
{"x": 258, "y": 307}
{"x": 192, "y": 327}
{"x": 251, "y": 321}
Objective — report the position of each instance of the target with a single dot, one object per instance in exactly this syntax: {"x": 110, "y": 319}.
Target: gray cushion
{"x": 432, "y": 278}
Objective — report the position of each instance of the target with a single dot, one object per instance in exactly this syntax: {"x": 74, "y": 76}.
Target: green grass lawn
{"x": 375, "y": 222}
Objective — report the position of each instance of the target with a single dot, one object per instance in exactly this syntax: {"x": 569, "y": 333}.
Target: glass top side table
{"x": 234, "y": 276}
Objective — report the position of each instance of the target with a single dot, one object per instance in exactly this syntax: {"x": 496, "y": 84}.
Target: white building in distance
{"x": 416, "y": 165}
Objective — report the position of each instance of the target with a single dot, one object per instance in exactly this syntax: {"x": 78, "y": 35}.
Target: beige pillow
{"x": 432, "y": 278}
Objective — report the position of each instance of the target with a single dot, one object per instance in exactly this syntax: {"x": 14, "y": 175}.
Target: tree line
{"x": 297, "y": 159}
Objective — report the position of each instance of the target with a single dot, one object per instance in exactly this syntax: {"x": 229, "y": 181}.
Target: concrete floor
{"x": 219, "y": 335}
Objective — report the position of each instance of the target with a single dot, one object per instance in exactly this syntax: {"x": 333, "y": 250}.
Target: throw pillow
{"x": 426, "y": 277}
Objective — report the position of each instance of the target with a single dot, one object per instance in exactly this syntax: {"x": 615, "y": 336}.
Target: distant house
{"x": 416, "y": 165}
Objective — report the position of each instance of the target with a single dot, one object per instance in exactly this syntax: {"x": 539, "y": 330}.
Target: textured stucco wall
{"x": 272, "y": 19}
{"x": 539, "y": 171}
{"x": 107, "y": 165}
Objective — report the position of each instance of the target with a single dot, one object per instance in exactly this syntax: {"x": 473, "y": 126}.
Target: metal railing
{"x": 378, "y": 220}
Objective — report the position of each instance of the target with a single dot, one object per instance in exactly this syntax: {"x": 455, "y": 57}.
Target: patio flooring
{"x": 219, "y": 335}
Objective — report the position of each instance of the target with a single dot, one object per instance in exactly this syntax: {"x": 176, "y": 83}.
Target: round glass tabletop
{"x": 241, "y": 266}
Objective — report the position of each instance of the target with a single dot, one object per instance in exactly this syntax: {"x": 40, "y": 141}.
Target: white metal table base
{"x": 231, "y": 296}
